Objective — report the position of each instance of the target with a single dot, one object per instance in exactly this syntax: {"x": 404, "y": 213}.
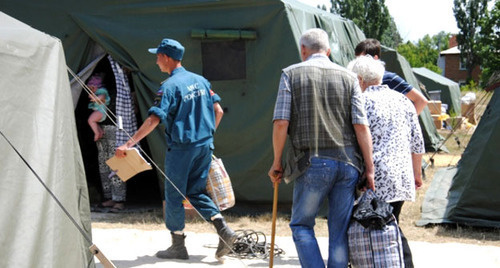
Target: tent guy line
{"x": 93, "y": 248}
{"x": 49, "y": 191}
{"x": 111, "y": 115}
{"x": 482, "y": 101}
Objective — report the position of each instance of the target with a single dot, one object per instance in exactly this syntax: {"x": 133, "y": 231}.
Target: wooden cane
{"x": 273, "y": 228}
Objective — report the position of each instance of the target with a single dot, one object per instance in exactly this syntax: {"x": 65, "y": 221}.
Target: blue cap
{"x": 169, "y": 47}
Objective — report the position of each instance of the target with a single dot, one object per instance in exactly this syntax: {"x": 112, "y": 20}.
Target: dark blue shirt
{"x": 395, "y": 82}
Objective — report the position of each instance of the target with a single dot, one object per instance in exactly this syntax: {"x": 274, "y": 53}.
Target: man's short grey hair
{"x": 368, "y": 68}
{"x": 316, "y": 40}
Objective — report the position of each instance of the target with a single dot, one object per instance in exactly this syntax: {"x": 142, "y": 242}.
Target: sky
{"x": 415, "y": 19}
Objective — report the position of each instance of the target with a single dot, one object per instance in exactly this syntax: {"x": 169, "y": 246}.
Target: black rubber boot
{"x": 176, "y": 251}
{"x": 226, "y": 237}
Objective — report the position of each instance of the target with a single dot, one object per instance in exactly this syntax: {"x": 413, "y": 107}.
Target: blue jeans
{"x": 325, "y": 178}
{"x": 188, "y": 171}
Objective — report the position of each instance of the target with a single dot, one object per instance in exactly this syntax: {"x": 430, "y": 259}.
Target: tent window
{"x": 225, "y": 60}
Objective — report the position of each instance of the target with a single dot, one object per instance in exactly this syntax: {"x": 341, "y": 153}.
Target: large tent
{"x": 396, "y": 63}
{"x": 449, "y": 90}
{"x": 38, "y": 120}
{"x": 239, "y": 45}
{"x": 468, "y": 193}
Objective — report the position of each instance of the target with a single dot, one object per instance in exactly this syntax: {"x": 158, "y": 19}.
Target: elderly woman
{"x": 397, "y": 139}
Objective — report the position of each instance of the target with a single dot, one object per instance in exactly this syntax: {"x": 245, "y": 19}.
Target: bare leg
{"x": 93, "y": 123}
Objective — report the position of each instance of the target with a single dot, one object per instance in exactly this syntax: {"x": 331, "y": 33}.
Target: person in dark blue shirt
{"x": 371, "y": 47}
{"x": 190, "y": 112}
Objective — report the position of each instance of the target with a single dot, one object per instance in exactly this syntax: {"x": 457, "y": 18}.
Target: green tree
{"x": 391, "y": 37}
{"x": 490, "y": 40}
{"x": 371, "y": 16}
{"x": 468, "y": 13}
{"x": 441, "y": 41}
{"x": 425, "y": 52}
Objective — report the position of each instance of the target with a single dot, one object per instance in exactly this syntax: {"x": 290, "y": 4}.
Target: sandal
{"x": 119, "y": 206}
{"x": 108, "y": 203}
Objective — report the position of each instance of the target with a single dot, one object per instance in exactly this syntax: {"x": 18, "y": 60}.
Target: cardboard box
{"x": 457, "y": 120}
{"x": 438, "y": 122}
{"x": 434, "y": 107}
{"x": 468, "y": 112}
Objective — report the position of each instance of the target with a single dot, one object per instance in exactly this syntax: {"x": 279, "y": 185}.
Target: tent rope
{"x": 49, "y": 191}
{"x": 99, "y": 255}
{"x": 108, "y": 113}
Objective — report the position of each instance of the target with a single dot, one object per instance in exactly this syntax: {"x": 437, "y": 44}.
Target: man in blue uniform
{"x": 190, "y": 111}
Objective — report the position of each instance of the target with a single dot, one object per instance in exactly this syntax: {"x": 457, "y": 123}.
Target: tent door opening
{"x": 143, "y": 189}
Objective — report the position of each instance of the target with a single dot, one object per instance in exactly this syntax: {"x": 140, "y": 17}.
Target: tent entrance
{"x": 143, "y": 189}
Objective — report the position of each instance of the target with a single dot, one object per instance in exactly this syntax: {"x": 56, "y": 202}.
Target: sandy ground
{"x": 137, "y": 248}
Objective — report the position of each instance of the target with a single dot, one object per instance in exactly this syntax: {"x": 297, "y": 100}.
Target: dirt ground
{"x": 410, "y": 214}
{"x": 131, "y": 239}
{"x": 152, "y": 220}
{"x": 136, "y": 248}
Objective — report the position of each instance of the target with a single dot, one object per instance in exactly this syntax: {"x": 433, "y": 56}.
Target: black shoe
{"x": 176, "y": 251}
{"x": 226, "y": 237}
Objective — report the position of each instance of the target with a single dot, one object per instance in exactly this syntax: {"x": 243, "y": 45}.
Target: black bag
{"x": 371, "y": 211}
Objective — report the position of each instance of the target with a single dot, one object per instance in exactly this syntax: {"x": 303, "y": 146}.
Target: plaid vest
{"x": 321, "y": 107}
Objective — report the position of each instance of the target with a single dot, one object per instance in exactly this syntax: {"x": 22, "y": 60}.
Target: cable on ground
{"x": 251, "y": 244}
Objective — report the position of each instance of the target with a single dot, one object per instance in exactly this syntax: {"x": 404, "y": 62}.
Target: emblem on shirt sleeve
{"x": 157, "y": 99}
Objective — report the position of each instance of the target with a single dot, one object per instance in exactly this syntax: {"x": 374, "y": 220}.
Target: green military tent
{"x": 468, "y": 193}
{"x": 37, "y": 119}
{"x": 239, "y": 45}
{"x": 396, "y": 63}
{"x": 448, "y": 89}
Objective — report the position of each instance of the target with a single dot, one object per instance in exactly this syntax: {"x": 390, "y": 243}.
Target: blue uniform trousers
{"x": 187, "y": 169}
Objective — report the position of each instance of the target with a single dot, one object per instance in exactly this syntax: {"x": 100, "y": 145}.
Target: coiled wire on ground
{"x": 250, "y": 244}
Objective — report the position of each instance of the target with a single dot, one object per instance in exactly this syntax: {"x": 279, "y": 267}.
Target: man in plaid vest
{"x": 319, "y": 105}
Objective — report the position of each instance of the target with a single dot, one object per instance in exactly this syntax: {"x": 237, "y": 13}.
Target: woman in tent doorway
{"x": 113, "y": 188}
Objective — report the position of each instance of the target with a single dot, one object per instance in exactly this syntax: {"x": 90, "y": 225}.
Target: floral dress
{"x": 396, "y": 134}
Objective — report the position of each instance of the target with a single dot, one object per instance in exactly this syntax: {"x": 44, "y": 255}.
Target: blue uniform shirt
{"x": 186, "y": 109}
